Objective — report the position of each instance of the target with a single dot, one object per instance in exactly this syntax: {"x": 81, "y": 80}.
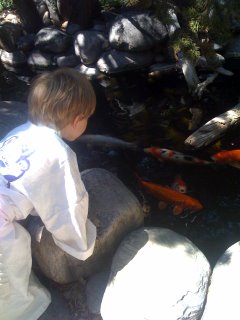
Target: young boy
{"x": 39, "y": 175}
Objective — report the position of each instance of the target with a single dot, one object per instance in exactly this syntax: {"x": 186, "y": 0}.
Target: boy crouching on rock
{"x": 39, "y": 175}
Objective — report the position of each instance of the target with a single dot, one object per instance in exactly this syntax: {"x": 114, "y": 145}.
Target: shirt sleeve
{"x": 61, "y": 200}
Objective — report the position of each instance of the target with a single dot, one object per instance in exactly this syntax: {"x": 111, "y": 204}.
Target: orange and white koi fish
{"x": 179, "y": 185}
{"x": 174, "y": 156}
{"x": 231, "y": 157}
{"x": 179, "y": 200}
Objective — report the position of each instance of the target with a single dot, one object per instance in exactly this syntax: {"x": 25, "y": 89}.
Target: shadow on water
{"x": 11, "y": 116}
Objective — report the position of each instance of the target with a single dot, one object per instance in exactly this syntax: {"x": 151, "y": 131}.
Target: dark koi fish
{"x": 104, "y": 141}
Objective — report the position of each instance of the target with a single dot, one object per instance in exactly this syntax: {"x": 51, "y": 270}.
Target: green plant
{"x": 202, "y": 22}
{"x": 185, "y": 43}
{"x": 6, "y": 4}
{"x": 108, "y": 5}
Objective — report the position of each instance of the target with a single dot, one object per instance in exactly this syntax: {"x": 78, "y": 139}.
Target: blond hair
{"x": 58, "y": 97}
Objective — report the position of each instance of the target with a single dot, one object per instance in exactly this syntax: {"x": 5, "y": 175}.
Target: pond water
{"x": 161, "y": 117}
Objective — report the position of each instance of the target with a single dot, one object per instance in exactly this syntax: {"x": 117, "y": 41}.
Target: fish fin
{"x": 235, "y": 164}
{"x": 162, "y": 205}
{"x": 147, "y": 150}
{"x": 134, "y": 146}
{"x": 213, "y": 156}
{"x": 177, "y": 210}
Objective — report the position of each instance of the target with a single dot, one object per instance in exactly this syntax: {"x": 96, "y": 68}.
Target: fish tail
{"x": 136, "y": 146}
{"x": 177, "y": 210}
{"x": 206, "y": 162}
{"x": 147, "y": 150}
{"x": 138, "y": 178}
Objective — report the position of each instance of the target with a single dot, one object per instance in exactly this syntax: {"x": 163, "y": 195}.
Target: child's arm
{"x": 61, "y": 200}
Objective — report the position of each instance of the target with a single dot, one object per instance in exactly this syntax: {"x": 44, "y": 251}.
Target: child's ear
{"x": 78, "y": 118}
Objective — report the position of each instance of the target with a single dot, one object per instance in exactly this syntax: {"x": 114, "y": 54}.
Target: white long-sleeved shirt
{"x": 44, "y": 179}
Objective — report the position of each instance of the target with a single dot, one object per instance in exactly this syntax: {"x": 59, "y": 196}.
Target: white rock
{"x": 156, "y": 274}
{"x": 223, "y": 296}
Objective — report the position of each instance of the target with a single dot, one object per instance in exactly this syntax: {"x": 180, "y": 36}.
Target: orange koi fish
{"x": 231, "y": 157}
{"x": 174, "y": 156}
{"x": 180, "y": 201}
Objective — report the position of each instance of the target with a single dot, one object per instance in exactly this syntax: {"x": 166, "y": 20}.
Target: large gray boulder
{"x": 137, "y": 32}
{"x": 14, "y": 61}
{"x": 68, "y": 60}
{"x": 156, "y": 274}
{"x": 53, "y": 40}
{"x": 89, "y": 45}
{"x": 114, "y": 61}
{"x": 112, "y": 208}
{"x": 42, "y": 61}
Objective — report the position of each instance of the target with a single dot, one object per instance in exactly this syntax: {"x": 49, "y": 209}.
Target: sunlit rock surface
{"x": 89, "y": 45}
{"x": 156, "y": 274}
{"x": 41, "y": 61}
{"x": 137, "y": 32}
{"x": 51, "y": 39}
{"x": 114, "y": 61}
{"x": 223, "y": 298}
